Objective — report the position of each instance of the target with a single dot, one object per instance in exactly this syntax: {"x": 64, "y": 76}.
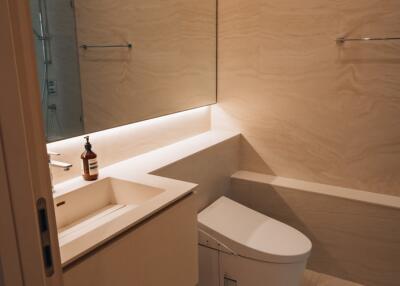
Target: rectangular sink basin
{"x": 98, "y": 203}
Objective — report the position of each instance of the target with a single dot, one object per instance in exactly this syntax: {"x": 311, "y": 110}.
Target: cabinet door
{"x": 160, "y": 251}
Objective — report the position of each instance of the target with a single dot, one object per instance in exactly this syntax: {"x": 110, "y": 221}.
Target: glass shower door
{"x": 42, "y": 49}
{"x": 57, "y": 68}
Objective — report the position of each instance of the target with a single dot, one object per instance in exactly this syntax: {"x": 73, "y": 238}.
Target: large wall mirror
{"x": 106, "y": 63}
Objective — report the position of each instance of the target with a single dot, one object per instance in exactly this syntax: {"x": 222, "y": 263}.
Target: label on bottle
{"x": 93, "y": 167}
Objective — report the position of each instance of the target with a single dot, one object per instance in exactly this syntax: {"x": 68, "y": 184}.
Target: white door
{"x": 29, "y": 253}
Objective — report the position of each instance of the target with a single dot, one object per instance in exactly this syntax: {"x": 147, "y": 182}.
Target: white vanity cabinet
{"x": 160, "y": 251}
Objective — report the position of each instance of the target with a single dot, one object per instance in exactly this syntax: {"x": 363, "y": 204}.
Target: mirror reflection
{"x": 106, "y": 63}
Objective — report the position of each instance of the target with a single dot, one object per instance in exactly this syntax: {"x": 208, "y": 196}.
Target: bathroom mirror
{"x": 106, "y": 63}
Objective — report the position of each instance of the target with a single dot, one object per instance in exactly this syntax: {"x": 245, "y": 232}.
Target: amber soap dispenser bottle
{"x": 90, "y": 171}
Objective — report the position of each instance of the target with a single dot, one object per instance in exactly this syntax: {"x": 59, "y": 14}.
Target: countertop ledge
{"x": 322, "y": 189}
{"x": 138, "y": 169}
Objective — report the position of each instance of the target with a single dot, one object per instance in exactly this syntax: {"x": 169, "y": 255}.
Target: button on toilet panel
{"x": 223, "y": 248}
{"x": 206, "y": 240}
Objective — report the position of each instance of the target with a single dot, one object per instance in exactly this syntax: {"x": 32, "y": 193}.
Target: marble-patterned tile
{"x": 312, "y": 278}
{"x": 352, "y": 239}
{"x": 311, "y": 109}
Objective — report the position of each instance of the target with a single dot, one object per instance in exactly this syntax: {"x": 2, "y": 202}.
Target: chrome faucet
{"x": 57, "y": 164}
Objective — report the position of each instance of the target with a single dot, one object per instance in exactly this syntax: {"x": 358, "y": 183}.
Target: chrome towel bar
{"x": 343, "y": 40}
{"x": 85, "y": 47}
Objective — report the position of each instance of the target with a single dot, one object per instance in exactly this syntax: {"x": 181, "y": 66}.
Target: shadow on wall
{"x": 352, "y": 240}
{"x": 250, "y": 160}
{"x": 211, "y": 169}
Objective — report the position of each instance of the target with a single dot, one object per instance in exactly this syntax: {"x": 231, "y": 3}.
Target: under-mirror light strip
{"x": 131, "y": 128}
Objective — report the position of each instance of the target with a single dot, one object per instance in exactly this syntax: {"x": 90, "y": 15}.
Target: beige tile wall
{"x": 355, "y": 241}
{"x": 313, "y": 110}
{"x": 211, "y": 169}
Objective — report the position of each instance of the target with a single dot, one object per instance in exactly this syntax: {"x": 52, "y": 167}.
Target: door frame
{"x": 24, "y": 171}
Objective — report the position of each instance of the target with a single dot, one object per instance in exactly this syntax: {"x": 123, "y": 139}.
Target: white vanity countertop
{"x": 138, "y": 169}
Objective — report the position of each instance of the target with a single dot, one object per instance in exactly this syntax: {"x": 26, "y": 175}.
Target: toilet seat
{"x": 253, "y": 235}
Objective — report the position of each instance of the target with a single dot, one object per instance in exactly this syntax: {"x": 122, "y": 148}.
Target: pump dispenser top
{"x": 88, "y": 146}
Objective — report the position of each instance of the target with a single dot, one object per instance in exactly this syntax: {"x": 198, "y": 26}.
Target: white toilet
{"x": 241, "y": 247}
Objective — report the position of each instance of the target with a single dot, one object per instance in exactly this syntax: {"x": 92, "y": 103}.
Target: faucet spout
{"x": 58, "y": 164}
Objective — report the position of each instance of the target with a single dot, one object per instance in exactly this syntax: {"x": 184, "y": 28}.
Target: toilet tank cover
{"x": 253, "y": 235}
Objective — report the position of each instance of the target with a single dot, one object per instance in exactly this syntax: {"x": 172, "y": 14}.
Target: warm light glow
{"x": 121, "y": 131}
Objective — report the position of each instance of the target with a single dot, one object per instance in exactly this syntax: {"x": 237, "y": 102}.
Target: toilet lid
{"x": 252, "y": 234}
